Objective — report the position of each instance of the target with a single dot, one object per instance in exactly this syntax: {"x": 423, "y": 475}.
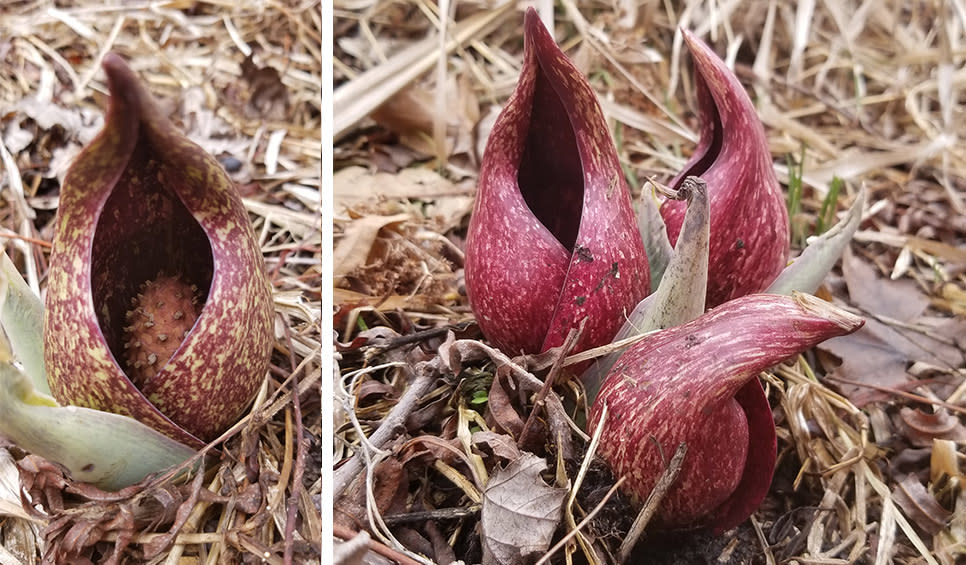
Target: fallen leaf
{"x": 350, "y": 303}
{"x": 427, "y": 414}
{"x": 376, "y": 337}
{"x": 501, "y": 445}
{"x": 501, "y": 413}
{"x": 923, "y": 427}
{"x": 371, "y": 391}
{"x": 78, "y": 124}
{"x": 895, "y": 335}
{"x": 414, "y": 541}
{"x": 920, "y": 506}
{"x": 900, "y": 300}
{"x": 390, "y": 484}
{"x": 429, "y": 449}
{"x": 212, "y": 132}
{"x": 390, "y": 487}
{"x": 442, "y": 551}
{"x": 520, "y": 512}
{"x": 105, "y": 523}
{"x": 268, "y": 95}
{"x": 360, "y": 234}
{"x": 412, "y": 112}
{"x": 358, "y": 188}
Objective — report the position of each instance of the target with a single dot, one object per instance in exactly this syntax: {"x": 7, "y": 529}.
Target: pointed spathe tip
{"x": 128, "y": 96}
{"x": 705, "y": 59}
{"x": 119, "y": 73}
{"x": 113, "y": 61}
{"x": 696, "y": 46}
{"x": 535, "y": 30}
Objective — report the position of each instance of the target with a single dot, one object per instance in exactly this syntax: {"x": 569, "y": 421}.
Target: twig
{"x": 438, "y": 514}
{"x": 390, "y": 427}
{"x": 582, "y": 472}
{"x": 301, "y": 450}
{"x": 600, "y": 505}
{"x": 417, "y": 337}
{"x": 345, "y": 533}
{"x": 765, "y": 548}
{"x": 898, "y": 392}
{"x": 652, "y": 503}
{"x": 548, "y": 383}
{"x": 618, "y": 345}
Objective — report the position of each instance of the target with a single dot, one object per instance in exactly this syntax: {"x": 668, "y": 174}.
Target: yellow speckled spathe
{"x": 139, "y": 200}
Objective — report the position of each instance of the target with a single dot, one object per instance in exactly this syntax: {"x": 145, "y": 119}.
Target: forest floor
{"x": 870, "y": 427}
{"x": 242, "y": 79}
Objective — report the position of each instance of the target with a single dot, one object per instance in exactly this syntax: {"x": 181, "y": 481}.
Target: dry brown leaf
{"x": 105, "y": 523}
{"x": 411, "y": 114}
{"x": 880, "y": 352}
{"x": 268, "y": 95}
{"x": 900, "y": 300}
{"x": 209, "y": 130}
{"x": 520, "y": 512}
{"x": 431, "y": 449}
{"x": 390, "y": 481}
{"x": 924, "y": 427}
{"x": 501, "y": 445}
{"x": 920, "y": 505}
{"x": 358, "y": 188}
{"x": 370, "y": 391}
{"x": 353, "y": 249}
{"x": 80, "y": 124}
{"x": 500, "y": 409}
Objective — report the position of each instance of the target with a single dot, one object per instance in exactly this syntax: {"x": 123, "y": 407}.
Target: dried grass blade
{"x": 356, "y": 99}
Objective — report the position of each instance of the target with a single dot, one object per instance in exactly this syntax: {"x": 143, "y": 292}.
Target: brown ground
{"x": 871, "y": 433}
{"x": 260, "y": 116}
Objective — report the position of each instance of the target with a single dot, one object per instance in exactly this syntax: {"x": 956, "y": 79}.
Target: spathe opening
{"x": 713, "y": 133}
{"x": 551, "y": 175}
{"x": 142, "y": 231}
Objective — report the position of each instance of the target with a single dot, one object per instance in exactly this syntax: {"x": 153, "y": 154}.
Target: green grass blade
{"x": 795, "y": 188}
{"x": 827, "y": 214}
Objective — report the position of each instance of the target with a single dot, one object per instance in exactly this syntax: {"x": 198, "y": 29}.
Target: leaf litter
{"x": 520, "y": 512}
{"x": 897, "y": 334}
{"x": 871, "y": 459}
{"x": 259, "y": 500}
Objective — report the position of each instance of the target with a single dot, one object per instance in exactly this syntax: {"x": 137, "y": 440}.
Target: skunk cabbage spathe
{"x": 158, "y": 305}
{"x": 749, "y": 223}
{"x": 552, "y": 240}
{"x": 698, "y": 383}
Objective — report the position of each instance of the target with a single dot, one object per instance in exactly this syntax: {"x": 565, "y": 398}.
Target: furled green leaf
{"x": 807, "y": 272}
{"x": 680, "y": 296}
{"x": 22, "y": 318}
{"x": 104, "y": 449}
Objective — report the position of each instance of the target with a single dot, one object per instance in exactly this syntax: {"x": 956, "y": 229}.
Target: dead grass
{"x": 261, "y": 117}
{"x": 869, "y": 92}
